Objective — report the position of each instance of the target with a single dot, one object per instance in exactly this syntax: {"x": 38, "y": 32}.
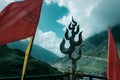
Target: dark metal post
{"x": 90, "y": 78}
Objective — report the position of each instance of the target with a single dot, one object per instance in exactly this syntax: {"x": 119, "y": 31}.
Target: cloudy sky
{"x": 93, "y": 16}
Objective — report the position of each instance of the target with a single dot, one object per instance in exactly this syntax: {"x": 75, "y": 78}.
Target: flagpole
{"x": 27, "y": 54}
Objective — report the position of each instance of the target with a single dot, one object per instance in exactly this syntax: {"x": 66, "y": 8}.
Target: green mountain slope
{"x": 97, "y": 45}
{"x": 11, "y": 62}
{"x": 94, "y": 53}
{"x": 37, "y": 51}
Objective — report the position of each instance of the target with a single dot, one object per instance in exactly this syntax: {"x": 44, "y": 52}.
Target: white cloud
{"x": 65, "y": 20}
{"x": 4, "y": 3}
{"x": 81, "y": 11}
{"x": 9, "y": 1}
{"x": 49, "y": 1}
{"x": 48, "y": 40}
{"x": 94, "y": 16}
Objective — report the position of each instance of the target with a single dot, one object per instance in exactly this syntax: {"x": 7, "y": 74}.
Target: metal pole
{"x": 73, "y": 70}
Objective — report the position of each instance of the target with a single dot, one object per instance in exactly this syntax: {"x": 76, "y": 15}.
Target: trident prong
{"x": 66, "y": 35}
{"x": 78, "y": 56}
{"x": 77, "y": 30}
{"x": 75, "y": 23}
{"x": 66, "y": 50}
{"x": 77, "y": 43}
{"x": 71, "y": 28}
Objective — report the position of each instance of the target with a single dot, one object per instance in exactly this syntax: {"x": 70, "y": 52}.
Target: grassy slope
{"x": 11, "y": 62}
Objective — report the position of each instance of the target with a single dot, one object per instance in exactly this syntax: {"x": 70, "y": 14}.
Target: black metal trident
{"x": 74, "y": 28}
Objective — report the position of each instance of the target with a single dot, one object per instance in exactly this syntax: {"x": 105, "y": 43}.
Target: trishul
{"x": 71, "y": 39}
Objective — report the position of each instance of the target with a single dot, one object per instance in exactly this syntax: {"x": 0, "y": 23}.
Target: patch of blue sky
{"x": 49, "y": 16}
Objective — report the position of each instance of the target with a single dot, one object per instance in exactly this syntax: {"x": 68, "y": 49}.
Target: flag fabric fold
{"x": 19, "y": 20}
{"x": 113, "y": 65}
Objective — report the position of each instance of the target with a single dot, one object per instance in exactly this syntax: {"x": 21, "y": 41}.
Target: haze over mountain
{"x": 37, "y": 51}
{"x": 94, "y": 53}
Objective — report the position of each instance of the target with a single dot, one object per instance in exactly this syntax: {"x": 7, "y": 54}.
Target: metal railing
{"x": 93, "y": 77}
{"x": 40, "y": 77}
{"x": 54, "y": 77}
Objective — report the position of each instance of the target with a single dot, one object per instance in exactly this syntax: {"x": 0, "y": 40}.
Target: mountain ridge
{"x": 37, "y": 51}
{"x": 94, "y": 53}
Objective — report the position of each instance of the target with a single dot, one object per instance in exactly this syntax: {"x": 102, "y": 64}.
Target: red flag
{"x": 113, "y": 66}
{"x": 19, "y": 20}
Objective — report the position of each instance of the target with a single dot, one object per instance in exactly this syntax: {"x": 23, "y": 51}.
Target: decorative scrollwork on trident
{"x": 74, "y": 28}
